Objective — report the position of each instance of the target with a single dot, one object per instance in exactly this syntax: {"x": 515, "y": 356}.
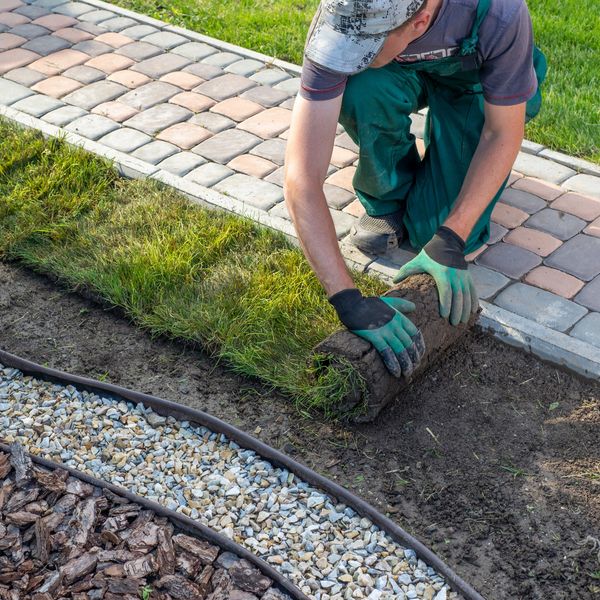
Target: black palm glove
{"x": 380, "y": 321}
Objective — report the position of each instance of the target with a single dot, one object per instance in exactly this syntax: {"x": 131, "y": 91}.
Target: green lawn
{"x": 238, "y": 290}
{"x": 568, "y": 31}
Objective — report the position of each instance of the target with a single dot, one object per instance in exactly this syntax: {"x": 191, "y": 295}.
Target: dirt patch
{"x": 492, "y": 460}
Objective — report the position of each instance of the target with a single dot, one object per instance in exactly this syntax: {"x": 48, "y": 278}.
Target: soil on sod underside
{"x": 492, "y": 460}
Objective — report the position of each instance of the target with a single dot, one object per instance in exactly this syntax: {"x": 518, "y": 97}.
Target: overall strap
{"x": 469, "y": 44}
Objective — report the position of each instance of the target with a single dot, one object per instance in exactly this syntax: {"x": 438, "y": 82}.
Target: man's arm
{"x": 498, "y": 147}
{"x": 378, "y": 320}
{"x": 443, "y": 257}
{"x": 309, "y": 147}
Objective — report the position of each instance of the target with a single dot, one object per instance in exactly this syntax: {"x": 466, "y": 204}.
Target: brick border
{"x": 543, "y": 342}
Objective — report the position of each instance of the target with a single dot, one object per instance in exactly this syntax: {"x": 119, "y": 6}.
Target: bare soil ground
{"x": 492, "y": 459}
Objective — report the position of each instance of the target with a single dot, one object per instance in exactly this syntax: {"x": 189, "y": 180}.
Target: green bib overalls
{"x": 390, "y": 175}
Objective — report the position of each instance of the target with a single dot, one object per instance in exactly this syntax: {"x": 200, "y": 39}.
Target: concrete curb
{"x": 548, "y": 344}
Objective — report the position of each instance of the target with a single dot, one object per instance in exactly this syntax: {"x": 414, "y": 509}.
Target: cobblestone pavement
{"x": 197, "y": 112}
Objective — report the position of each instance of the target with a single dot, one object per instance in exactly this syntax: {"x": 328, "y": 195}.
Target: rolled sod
{"x": 380, "y": 388}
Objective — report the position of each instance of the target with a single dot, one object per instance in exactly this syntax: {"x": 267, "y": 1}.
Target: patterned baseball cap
{"x": 345, "y": 36}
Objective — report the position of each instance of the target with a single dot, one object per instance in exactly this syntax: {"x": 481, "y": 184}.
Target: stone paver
{"x": 273, "y": 150}
{"x": 497, "y": 232}
{"x": 117, "y": 24}
{"x": 156, "y": 152}
{"x": 129, "y": 78}
{"x": 11, "y": 92}
{"x": 12, "y": 19}
{"x": 115, "y": 110}
{"x": 32, "y": 12}
{"x": 289, "y": 86}
{"x": 225, "y": 146}
{"x": 184, "y": 135}
{"x": 57, "y": 86}
{"x": 97, "y": 16}
{"x": 92, "y": 127}
{"x": 588, "y": 329}
{"x": 92, "y": 47}
{"x": 73, "y": 35}
{"x": 584, "y": 184}
{"x": 554, "y": 281}
{"x": 29, "y": 31}
{"x": 244, "y": 67}
{"x": 342, "y": 222}
{"x": 542, "y": 168}
{"x": 157, "y": 118}
{"x": 24, "y": 76}
{"x": 268, "y": 123}
{"x": 487, "y": 281}
{"x": 206, "y": 72}
{"x": 139, "y": 51}
{"x": 17, "y": 57}
{"x": 149, "y": 95}
{"x": 556, "y": 223}
{"x": 509, "y": 260}
{"x": 584, "y": 207}
{"x": 37, "y": 105}
{"x": 523, "y": 200}
{"x": 593, "y": 228}
{"x": 271, "y": 76}
{"x": 531, "y": 239}
{"x": 540, "y": 306}
{"x": 580, "y": 256}
{"x": 237, "y": 109}
{"x": 212, "y": 121}
{"x": 252, "y": 165}
{"x": 265, "y": 96}
{"x": 63, "y": 116}
{"x": 590, "y": 295}
{"x": 125, "y": 139}
{"x": 85, "y": 74}
{"x": 186, "y": 81}
{"x": 343, "y": 140}
{"x": 224, "y": 86}
{"x": 195, "y": 50}
{"x": 343, "y": 178}
{"x": 137, "y": 32}
{"x": 221, "y": 59}
{"x": 276, "y": 177}
{"x": 60, "y": 61}
{"x": 340, "y": 157}
{"x": 253, "y": 191}
{"x": 181, "y": 163}
{"x": 192, "y": 101}
{"x": 165, "y": 39}
{"x": 110, "y": 63}
{"x": 543, "y": 189}
{"x": 8, "y": 41}
{"x": 508, "y": 216}
{"x": 209, "y": 174}
{"x": 157, "y": 66}
{"x": 337, "y": 197}
{"x": 113, "y": 39}
{"x": 96, "y": 93}
{"x": 355, "y": 208}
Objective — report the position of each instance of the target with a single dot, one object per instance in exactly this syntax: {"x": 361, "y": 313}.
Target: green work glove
{"x": 380, "y": 321}
{"x": 443, "y": 258}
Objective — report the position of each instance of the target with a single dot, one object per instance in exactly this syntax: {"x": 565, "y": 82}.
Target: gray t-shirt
{"x": 505, "y": 46}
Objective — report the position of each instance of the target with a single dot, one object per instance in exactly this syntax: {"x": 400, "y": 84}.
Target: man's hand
{"x": 380, "y": 321}
{"x": 443, "y": 258}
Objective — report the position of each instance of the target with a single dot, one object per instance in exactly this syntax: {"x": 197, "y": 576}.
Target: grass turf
{"x": 567, "y": 31}
{"x": 241, "y": 291}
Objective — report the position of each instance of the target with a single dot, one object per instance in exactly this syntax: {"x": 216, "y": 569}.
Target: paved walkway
{"x": 198, "y": 113}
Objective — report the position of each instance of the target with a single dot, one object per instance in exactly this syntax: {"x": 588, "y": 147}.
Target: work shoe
{"x": 377, "y": 235}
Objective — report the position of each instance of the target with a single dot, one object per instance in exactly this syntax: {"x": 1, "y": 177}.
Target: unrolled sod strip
{"x": 326, "y": 549}
{"x": 379, "y": 388}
